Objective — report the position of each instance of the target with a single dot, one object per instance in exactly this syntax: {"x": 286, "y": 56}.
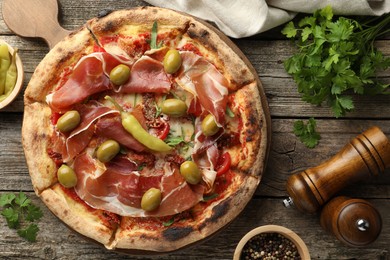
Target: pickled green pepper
{"x": 4, "y": 65}
{"x": 132, "y": 126}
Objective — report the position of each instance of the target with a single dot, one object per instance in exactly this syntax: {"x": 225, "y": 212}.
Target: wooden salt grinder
{"x": 355, "y": 222}
{"x": 366, "y": 155}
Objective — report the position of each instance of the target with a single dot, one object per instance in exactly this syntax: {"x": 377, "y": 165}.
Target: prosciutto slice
{"x": 120, "y": 187}
{"x": 147, "y": 75}
{"x": 111, "y": 128}
{"x": 89, "y": 76}
{"x": 205, "y": 82}
{"x": 80, "y": 137}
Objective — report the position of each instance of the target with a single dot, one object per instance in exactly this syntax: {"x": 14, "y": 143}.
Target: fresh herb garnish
{"x": 229, "y": 112}
{"x": 210, "y": 197}
{"x": 169, "y": 222}
{"x": 336, "y": 57}
{"x": 153, "y": 37}
{"x": 174, "y": 140}
{"x": 17, "y": 209}
{"x": 307, "y": 132}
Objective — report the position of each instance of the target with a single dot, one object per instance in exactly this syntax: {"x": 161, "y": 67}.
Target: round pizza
{"x": 145, "y": 130}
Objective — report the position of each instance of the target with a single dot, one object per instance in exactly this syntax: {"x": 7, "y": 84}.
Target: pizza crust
{"x": 36, "y": 132}
{"x": 249, "y": 157}
{"x": 76, "y": 215}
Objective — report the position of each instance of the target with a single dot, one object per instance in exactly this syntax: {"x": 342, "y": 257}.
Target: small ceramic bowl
{"x": 19, "y": 81}
{"x": 273, "y": 229}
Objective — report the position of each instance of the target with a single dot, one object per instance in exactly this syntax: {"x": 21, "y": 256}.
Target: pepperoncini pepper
{"x": 4, "y": 65}
{"x": 131, "y": 124}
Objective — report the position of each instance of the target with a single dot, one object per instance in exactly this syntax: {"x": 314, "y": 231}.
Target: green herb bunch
{"x": 336, "y": 58}
{"x": 18, "y": 210}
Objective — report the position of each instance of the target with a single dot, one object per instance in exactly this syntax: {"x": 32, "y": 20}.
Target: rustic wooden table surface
{"x": 287, "y": 156}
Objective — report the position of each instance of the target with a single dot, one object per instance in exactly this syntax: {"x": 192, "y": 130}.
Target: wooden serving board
{"x": 34, "y": 18}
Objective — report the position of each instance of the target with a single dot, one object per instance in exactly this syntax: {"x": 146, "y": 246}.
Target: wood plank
{"x": 56, "y": 241}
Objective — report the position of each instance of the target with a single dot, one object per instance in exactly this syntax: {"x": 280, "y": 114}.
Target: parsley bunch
{"x": 336, "y": 58}
{"x": 18, "y": 209}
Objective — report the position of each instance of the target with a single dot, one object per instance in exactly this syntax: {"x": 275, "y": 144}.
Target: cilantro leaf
{"x": 336, "y": 57}
{"x": 29, "y": 233}
{"x": 289, "y": 30}
{"x": 22, "y": 200}
{"x": 307, "y": 132}
{"x": 6, "y": 199}
{"x": 12, "y": 217}
{"x": 33, "y": 213}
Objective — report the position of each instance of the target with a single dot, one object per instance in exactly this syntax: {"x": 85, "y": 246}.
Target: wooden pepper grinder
{"x": 366, "y": 155}
{"x": 355, "y": 222}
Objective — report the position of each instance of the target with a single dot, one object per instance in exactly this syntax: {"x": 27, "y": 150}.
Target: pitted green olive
{"x": 174, "y": 107}
{"x": 108, "y": 150}
{"x": 209, "y": 126}
{"x": 190, "y": 171}
{"x": 66, "y": 176}
{"x": 120, "y": 74}
{"x": 151, "y": 199}
{"x": 172, "y": 61}
{"x": 68, "y": 121}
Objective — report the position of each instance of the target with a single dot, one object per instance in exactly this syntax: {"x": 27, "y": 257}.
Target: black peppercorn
{"x": 269, "y": 246}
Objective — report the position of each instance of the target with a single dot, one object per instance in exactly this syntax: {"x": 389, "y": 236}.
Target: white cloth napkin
{"x": 243, "y": 18}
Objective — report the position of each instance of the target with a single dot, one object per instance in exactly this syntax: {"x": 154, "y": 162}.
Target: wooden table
{"x": 287, "y": 156}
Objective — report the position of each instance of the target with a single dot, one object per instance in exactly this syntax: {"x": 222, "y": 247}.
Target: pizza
{"x": 146, "y": 130}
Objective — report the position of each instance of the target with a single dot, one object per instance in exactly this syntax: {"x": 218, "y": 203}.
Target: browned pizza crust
{"x": 77, "y": 216}
{"x": 36, "y": 132}
{"x": 249, "y": 156}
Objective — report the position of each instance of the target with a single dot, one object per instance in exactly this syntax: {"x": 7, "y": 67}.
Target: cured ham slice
{"x": 205, "y": 82}
{"x": 111, "y": 128}
{"x": 120, "y": 187}
{"x": 89, "y": 76}
{"x": 80, "y": 137}
{"x": 147, "y": 75}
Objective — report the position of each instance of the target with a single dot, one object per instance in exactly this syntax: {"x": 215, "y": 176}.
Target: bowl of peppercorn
{"x": 271, "y": 242}
{"x": 11, "y": 74}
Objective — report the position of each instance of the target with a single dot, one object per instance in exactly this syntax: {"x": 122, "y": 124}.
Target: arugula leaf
{"x": 6, "y": 199}
{"x": 174, "y": 140}
{"x": 29, "y": 233}
{"x": 210, "y": 197}
{"x": 153, "y": 37}
{"x": 229, "y": 112}
{"x": 307, "y": 132}
{"x": 169, "y": 222}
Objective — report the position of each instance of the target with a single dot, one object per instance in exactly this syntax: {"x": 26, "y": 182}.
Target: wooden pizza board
{"x": 39, "y": 18}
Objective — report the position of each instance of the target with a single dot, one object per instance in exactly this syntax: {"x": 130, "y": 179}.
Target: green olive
{"x": 108, "y": 150}
{"x": 120, "y": 74}
{"x": 172, "y": 61}
{"x": 66, "y": 176}
{"x": 174, "y": 107}
{"x": 68, "y": 121}
{"x": 151, "y": 199}
{"x": 190, "y": 171}
{"x": 209, "y": 126}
